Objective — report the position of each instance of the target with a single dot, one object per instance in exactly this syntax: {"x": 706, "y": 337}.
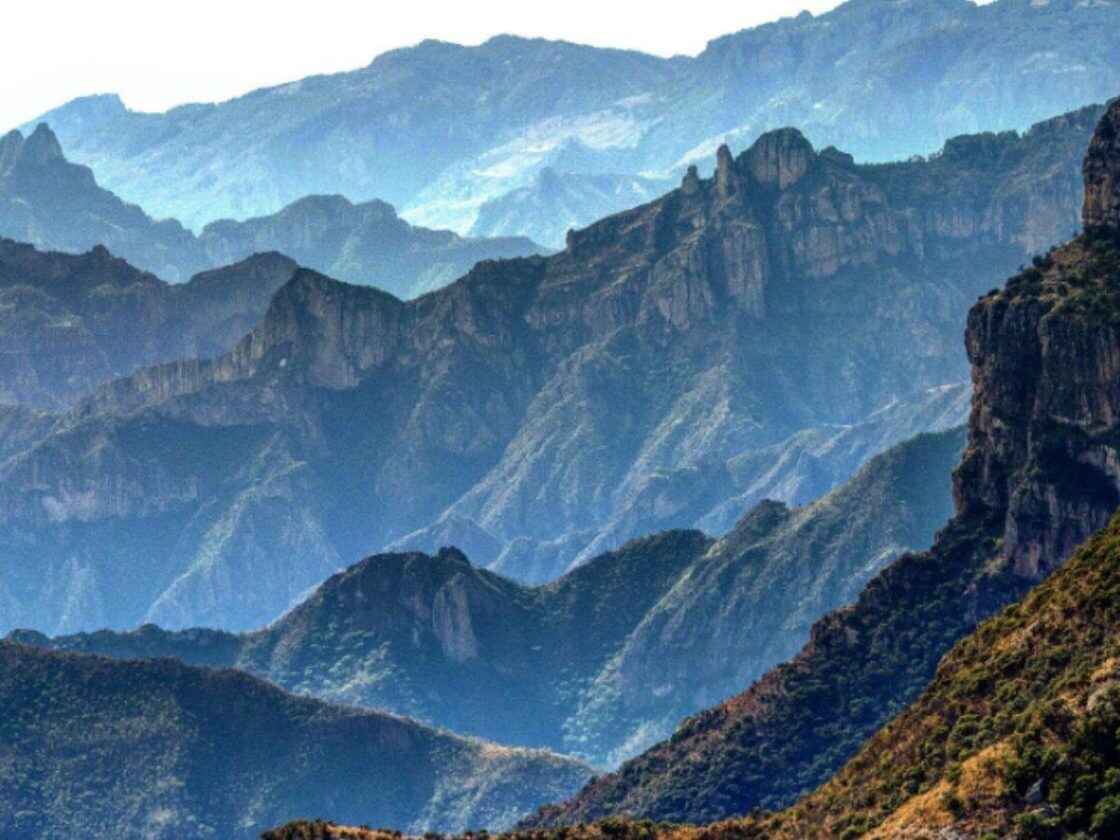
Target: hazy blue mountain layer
{"x": 557, "y": 202}
{"x": 57, "y": 205}
{"x": 757, "y": 334}
{"x": 605, "y": 660}
{"x": 441, "y": 130}
{"x": 72, "y": 322}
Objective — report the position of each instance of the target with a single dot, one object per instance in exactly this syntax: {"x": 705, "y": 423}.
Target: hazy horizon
{"x": 116, "y": 48}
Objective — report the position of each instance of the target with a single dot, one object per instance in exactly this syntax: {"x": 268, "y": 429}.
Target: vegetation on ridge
{"x": 91, "y": 747}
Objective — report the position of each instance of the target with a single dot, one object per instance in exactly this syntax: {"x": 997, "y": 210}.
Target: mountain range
{"x": 72, "y": 322}
{"x": 54, "y": 204}
{"x": 557, "y": 202}
{"x": 1037, "y": 479}
{"x": 713, "y": 500}
{"x": 1016, "y": 736}
{"x": 440, "y": 130}
{"x": 1013, "y": 732}
{"x": 756, "y": 334}
{"x": 680, "y": 620}
{"x": 156, "y": 749}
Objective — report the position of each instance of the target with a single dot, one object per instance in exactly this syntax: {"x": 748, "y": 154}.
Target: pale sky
{"x": 157, "y": 54}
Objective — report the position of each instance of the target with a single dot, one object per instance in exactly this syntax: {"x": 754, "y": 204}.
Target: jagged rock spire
{"x": 42, "y": 146}
{"x": 725, "y": 165}
{"x": 691, "y": 182}
{"x": 1102, "y": 173}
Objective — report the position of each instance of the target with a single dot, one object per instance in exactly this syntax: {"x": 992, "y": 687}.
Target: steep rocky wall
{"x": 1040, "y": 474}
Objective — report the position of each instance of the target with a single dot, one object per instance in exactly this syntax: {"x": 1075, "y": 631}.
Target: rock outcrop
{"x": 1102, "y": 176}
{"x": 1039, "y": 476}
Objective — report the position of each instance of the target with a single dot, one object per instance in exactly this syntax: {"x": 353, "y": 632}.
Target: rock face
{"x": 676, "y": 363}
{"x": 58, "y": 205}
{"x": 1102, "y": 176}
{"x": 168, "y": 751}
{"x": 669, "y": 480}
{"x": 1039, "y": 477}
{"x": 441, "y": 130}
{"x": 459, "y": 647}
{"x": 69, "y": 323}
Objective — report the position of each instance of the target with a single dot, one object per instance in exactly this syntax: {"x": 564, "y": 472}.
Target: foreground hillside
{"x": 440, "y": 640}
{"x": 440, "y": 130}
{"x": 758, "y": 334}
{"x": 1017, "y": 736}
{"x": 1038, "y": 477}
{"x": 57, "y": 205}
{"x": 95, "y": 748}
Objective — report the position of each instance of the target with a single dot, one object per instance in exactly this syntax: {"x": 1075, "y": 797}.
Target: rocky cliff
{"x": 1102, "y": 184}
{"x": 757, "y": 333}
{"x": 1039, "y": 476}
{"x": 456, "y": 646}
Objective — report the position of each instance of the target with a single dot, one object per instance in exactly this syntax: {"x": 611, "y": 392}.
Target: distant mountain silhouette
{"x": 57, "y": 205}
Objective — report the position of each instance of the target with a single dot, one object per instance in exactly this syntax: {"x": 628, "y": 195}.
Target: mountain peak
{"x": 450, "y": 554}
{"x": 779, "y": 158}
{"x": 42, "y": 146}
{"x": 1102, "y": 173}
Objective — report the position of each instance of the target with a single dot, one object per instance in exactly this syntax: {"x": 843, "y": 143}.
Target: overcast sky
{"x": 156, "y": 54}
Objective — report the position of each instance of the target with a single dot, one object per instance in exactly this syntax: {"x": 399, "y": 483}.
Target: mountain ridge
{"x": 470, "y": 651}
{"x": 156, "y": 748}
{"x": 1016, "y": 736}
{"x": 73, "y": 322}
{"x": 58, "y": 205}
{"x": 915, "y": 75}
{"x": 493, "y": 407}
